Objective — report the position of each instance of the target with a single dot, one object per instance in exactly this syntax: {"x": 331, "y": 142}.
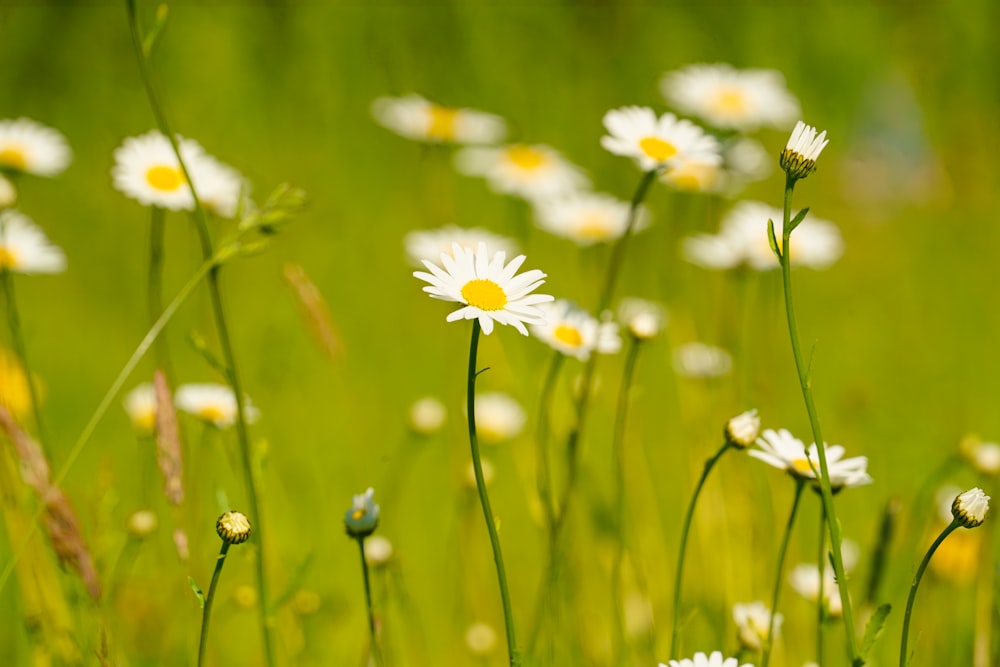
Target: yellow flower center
{"x": 692, "y": 177}
{"x": 593, "y": 228}
{"x": 166, "y": 179}
{"x": 211, "y": 413}
{"x": 8, "y": 260}
{"x": 13, "y": 156}
{"x": 657, "y": 148}
{"x": 145, "y": 421}
{"x": 14, "y": 394}
{"x": 568, "y": 335}
{"x": 730, "y": 101}
{"x": 801, "y": 467}
{"x": 526, "y": 157}
{"x": 484, "y": 294}
{"x": 358, "y": 513}
{"x": 441, "y": 124}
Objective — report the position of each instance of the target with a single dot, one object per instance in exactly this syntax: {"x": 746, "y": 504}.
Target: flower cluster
{"x": 214, "y": 404}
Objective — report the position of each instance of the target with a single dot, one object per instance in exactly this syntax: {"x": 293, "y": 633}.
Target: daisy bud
{"x": 803, "y": 147}
{"x": 233, "y": 527}
{"x": 362, "y": 519}
{"x": 970, "y": 508}
{"x": 142, "y": 524}
{"x": 742, "y": 430}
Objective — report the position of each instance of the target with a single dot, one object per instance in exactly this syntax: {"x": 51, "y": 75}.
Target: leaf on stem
{"x": 797, "y": 220}
{"x": 874, "y": 628}
{"x": 149, "y": 41}
{"x": 198, "y": 593}
{"x": 771, "y": 240}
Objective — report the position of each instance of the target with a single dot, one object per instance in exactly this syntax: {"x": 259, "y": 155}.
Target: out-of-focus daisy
{"x": 587, "y": 218}
{"x": 642, "y": 319}
{"x": 430, "y": 243}
{"x": 140, "y": 405}
{"x": 24, "y": 248}
{"x": 786, "y": 452}
{"x": 212, "y": 403}
{"x": 653, "y": 142}
{"x": 481, "y": 639}
{"x": 695, "y": 174}
{"x": 805, "y": 580}
{"x": 416, "y": 118}
{"x": 146, "y": 169}
{"x": 32, "y": 148}
{"x": 219, "y": 187}
{"x": 752, "y": 621}
{"x": 574, "y": 332}
{"x": 487, "y": 287}
{"x": 703, "y": 660}
{"x": 984, "y": 456}
{"x": 8, "y": 193}
{"x": 529, "y": 171}
{"x": 499, "y": 417}
{"x": 803, "y": 148}
{"x": 742, "y": 430}
{"x": 378, "y": 551}
{"x": 742, "y": 241}
{"x": 142, "y": 524}
{"x": 730, "y": 98}
{"x": 15, "y": 395}
{"x": 489, "y": 472}
{"x": 699, "y": 360}
{"x": 427, "y": 415}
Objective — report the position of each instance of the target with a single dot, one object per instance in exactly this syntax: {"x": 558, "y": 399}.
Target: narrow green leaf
{"x": 772, "y": 240}
{"x": 799, "y": 217}
{"x": 874, "y": 628}
{"x": 154, "y": 33}
{"x": 198, "y": 593}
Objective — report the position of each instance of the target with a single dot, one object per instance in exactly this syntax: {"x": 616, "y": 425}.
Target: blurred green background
{"x": 906, "y": 322}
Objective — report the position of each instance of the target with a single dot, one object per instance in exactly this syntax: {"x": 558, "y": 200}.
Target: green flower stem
{"x": 805, "y": 382}
{"x": 21, "y": 350}
{"x": 544, "y": 414}
{"x": 225, "y": 341}
{"x": 484, "y": 499}
{"x": 368, "y": 601}
{"x": 769, "y": 644}
{"x": 820, "y": 602}
{"x": 685, "y": 531}
{"x": 916, "y": 583}
{"x": 206, "y": 611}
{"x": 618, "y": 452}
{"x": 102, "y": 408}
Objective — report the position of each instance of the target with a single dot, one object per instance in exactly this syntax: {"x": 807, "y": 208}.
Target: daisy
{"x": 587, "y": 218}
{"x": 702, "y": 660}
{"x": 220, "y": 188}
{"x": 752, "y": 621}
{"x": 984, "y": 457}
{"x": 529, "y": 171}
{"x": 8, "y": 193}
{"x": 805, "y": 580}
{"x": 213, "y": 403}
{"x": 415, "y": 118}
{"x": 146, "y": 169}
{"x": 695, "y": 174}
{"x": 140, "y": 405}
{"x": 32, "y": 148}
{"x": 378, "y": 551}
{"x": 574, "y": 332}
{"x": 643, "y": 319}
{"x": 487, "y": 288}
{"x": 698, "y": 360}
{"x": 803, "y": 148}
{"x": 15, "y": 394}
{"x": 970, "y": 508}
{"x": 784, "y": 451}
{"x": 499, "y": 417}
{"x": 427, "y": 416}
{"x": 362, "y": 519}
{"x": 24, "y": 247}
{"x": 653, "y": 142}
{"x": 729, "y": 98}
{"x": 430, "y": 243}
{"x": 481, "y": 639}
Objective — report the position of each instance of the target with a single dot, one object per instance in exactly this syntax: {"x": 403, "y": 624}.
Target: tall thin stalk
{"x": 376, "y": 652}
{"x": 21, "y": 349}
{"x": 779, "y": 576}
{"x": 820, "y": 604}
{"x": 903, "y": 657}
{"x": 206, "y": 612}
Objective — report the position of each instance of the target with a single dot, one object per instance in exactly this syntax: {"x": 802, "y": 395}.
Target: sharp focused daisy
{"x": 523, "y": 170}
{"x": 752, "y": 621}
{"x": 970, "y": 508}
{"x": 212, "y": 403}
{"x": 699, "y": 360}
{"x": 702, "y": 660}
{"x": 653, "y": 142}
{"x": 487, "y": 287}
{"x": 24, "y": 248}
{"x": 146, "y": 169}
{"x": 32, "y": 148}
{"x": 140, "y": 405}
{"x": 415, "y": 118}
{"x": 574, "y": 332}
{"x": 803, "y": 148}
{"x": 587, "y": 218}
{"x": 499, "y": 417}
{"x": 642, "y": 319}
{"x": 430, "y": 243}
{"x": 729, "y": 98}
{"x": 786, "y": 452}
{"x": 742, "y": 241}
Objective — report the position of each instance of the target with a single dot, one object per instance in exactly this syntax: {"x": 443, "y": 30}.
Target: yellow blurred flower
{"x": 15, "y": 395}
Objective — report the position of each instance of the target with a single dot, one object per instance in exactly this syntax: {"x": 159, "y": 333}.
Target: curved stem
{"x": 820, "y": 603}
{"x": 21, "y": 350}
{"x": 368, "y": 601}
{"x": 685, "y": 530}
{"x": 206, "y": 612}
{"x": 769, "y": 644}
{"x": 916, "y": 584}
{"x": 484, "y": 499}
{"x": 618, "y": 452}
{"x": 805, "y": 383}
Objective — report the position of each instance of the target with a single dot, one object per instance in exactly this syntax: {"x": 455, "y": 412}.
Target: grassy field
{"x": 904, "y": 324}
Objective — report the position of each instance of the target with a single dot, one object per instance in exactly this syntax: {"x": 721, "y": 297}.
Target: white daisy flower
{"x": 694, "y": 174}
{"x": 587, "y": 218}
{"x": 803, "y": 148}
{"x": 430, "y": 243}
{"x": 220, "y": 188}
{"x": 642, "y": 319}
{"x": 653, "y": 142}
{"x": 140, "y": 405}
{"x": 427, "y": 415}
{"x": 487, "y": 288}
{"x": 742, "y": 430}
{"x": 24, "y": 248}
{"x": 574, "y": 332}
{"x": 698, "y": 360}
{"x": 984, "y": 456}
{"x": 743, "y": 161}
{"x": 970, "y": 508}
{"x": 8, "y": 193}
{"x": 146, "y": 169}
{"x": 213, "y": 403}
{"x": 703, "y": 660}
{"x": 528, "y": 171}
{"x": 805, "y": 580}
{"x": 378, "y": 551}
{"x": 729, "y": 98}
{"x": 32, "y": 148}
{"x": 784, "y": 451}
{"x": 752, "y": 621}
{"x": 499, "y": 417}
{"x": 416, "y": 118}
{"x": 481, "y": 639}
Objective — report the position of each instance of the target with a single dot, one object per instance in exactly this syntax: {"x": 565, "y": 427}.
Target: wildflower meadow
{"x": 530, "y": 334}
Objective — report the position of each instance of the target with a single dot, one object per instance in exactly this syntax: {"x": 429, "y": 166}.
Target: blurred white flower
{"x": 653, "y": 142}
{"x": 742, "y": 430}
{"x": 499, "y": 417}
{"x": 24, "y": 248}
{"x": 703, "y": 660}
{"x": 752, "y": 621}
{"x": 140, "y": 405}
{"x": 414, "y": 117}
{"x": 427, "y": 415}
{"x": 574, "y": 332}
{"x": 32, "y": 148}
{"x": 642, "y": 319}
{"x": 481, "y": 639}
{"x": 213, "y": 403}
{"x": 8, "y": 193}
{"x": 378, "y": 551}
{"x": 220, "y": 188}
{"x": 805, "y": 579}
{"x": 587, "y": 218}
{"x": 528, "y": 171}
{"x": 489, "y": 472}
{"x": 429, "y": 244}
{"x": 699, "y": 360}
